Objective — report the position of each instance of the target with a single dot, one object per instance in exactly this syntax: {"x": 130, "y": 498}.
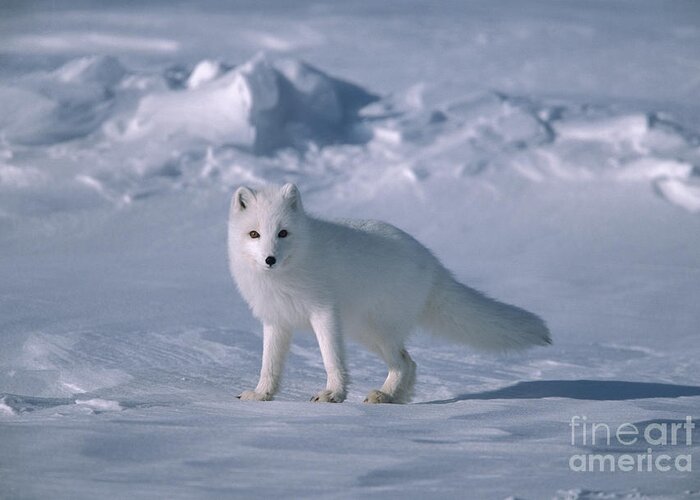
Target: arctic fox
{"x": 367, "y": 280}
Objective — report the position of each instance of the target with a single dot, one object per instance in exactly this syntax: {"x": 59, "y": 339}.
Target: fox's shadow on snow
{"x": 594, "y": 390}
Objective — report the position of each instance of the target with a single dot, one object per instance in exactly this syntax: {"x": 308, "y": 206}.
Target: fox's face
{"x": 266, "y": 226}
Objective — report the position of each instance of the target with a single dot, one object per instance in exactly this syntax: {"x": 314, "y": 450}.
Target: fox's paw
{"x": 377, "y": 396}
{"x": 329, "y": 396}
{"x": 255, "y": 396}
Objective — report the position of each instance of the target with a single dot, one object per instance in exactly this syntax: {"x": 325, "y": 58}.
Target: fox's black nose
{"x": 270, "y": 261}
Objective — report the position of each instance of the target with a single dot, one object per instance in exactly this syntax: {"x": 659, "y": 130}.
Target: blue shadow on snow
{"x": 594, "y": 390}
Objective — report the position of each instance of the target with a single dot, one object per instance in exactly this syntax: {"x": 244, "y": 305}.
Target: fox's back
{"x": 370, "y": 244}
{"x": 373, "y": 268}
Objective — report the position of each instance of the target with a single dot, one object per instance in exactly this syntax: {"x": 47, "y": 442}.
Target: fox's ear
{"x": 242, "y": 199}
{"x": 291, "y": 193}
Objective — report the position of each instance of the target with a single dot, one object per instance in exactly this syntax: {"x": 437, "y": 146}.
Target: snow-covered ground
{"x": 548, "y": 152}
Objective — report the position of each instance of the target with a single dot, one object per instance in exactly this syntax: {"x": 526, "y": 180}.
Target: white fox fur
{"x": 366, "y": 280}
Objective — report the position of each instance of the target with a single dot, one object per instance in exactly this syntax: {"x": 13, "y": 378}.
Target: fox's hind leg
{"x": 398, "y": 387}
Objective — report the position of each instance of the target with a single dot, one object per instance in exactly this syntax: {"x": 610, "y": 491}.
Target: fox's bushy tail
{"x": 465, "y": 315}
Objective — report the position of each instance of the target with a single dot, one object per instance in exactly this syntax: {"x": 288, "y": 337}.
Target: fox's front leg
{"x": 327, "y": 328}
{"x": 275, "y": 348}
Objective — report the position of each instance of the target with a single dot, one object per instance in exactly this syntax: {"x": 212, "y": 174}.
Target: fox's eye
{"x": 283, "y": 233}
{"x": 254, "y": 234}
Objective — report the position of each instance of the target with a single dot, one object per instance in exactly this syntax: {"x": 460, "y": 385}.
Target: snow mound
{"x": 493, "y": 134}
{"x": 5, "y": 409}
{"x": 99, "y": 405}
{"x": 259, "y": 106}
{"x": 68, "y": 103}
{"x": 104, "y": 70}
{"x": 14, "y": 404}
{"x": 204, "y": 72}
{"x": 683, "y": 194}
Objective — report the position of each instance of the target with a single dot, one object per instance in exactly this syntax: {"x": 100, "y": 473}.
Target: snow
{"x": 259, "y": 106}
{"x": 204, "y": 72}
{"x": 547, "y": 152}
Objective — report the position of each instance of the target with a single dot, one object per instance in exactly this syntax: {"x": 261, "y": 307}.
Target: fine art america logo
{"x": 636, "y": 446}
